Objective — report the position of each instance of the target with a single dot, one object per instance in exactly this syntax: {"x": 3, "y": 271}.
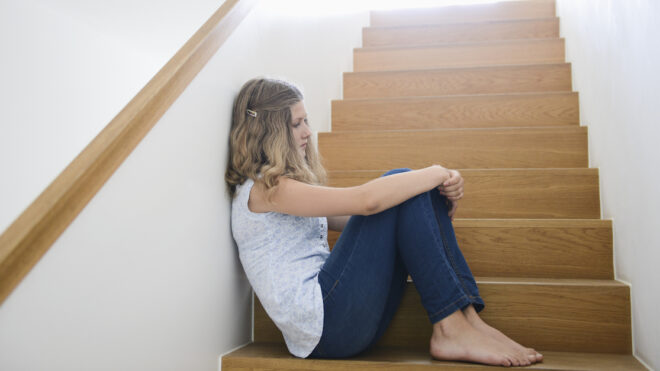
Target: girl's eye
{"x": 296, "y": 124}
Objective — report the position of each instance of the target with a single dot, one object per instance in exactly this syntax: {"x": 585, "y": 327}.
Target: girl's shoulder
{"x": 257, "y": 199}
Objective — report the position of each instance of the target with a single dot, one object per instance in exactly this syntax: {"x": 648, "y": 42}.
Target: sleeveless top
{"x": 282, "y": 256}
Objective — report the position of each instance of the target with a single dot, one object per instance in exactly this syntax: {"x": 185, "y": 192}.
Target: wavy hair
{"x": 262, "y": 148}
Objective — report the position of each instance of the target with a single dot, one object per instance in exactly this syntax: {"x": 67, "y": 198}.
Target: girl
{"x": 339, "y": 303}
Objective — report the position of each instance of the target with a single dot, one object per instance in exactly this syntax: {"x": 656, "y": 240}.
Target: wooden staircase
{"x": 484, "y": 89}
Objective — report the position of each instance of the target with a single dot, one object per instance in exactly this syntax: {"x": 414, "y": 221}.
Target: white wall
{"x": 67, "y": 68}
{"x": 147, "y": 277}
{"x": 615, "y": 52}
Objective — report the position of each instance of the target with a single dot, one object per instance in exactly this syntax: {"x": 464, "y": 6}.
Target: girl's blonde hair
{"x": 261, "y": 145}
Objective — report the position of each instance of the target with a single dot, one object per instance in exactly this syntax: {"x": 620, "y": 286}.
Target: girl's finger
{"x": 452, "y": 211}
{"x": 455, "y": 178}
{"x": 454, "y": 188}
{"x": 451, "y": 181}
{"x": 451, "y": 191}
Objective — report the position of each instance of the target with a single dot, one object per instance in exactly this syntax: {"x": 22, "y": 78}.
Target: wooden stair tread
{"x": 541, "y": 248}
{"x": 554, "y": 147}
{"x": 403, "y": 27}
{"x": 513, "y": 193}
{"x": 347, "y": 178}
{"x": 506, "y": 10}
{"x": 551, "y": 314}
{"x": 460, "y": 32}
{"x": 457, "y": 111}
{"x": 448, "y": 45}
{"x": 458, "y": 81}
{"x": 460, "y": 96}
{"x": 454, "y": 69}
{"x": 549, "y": 282}
{"x": 532, "y": 51}
{"x": 275, "y": 356}
{"x": 532, "y": 223}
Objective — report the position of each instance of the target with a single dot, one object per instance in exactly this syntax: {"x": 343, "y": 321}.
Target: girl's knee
{"x": 396, "y": 171}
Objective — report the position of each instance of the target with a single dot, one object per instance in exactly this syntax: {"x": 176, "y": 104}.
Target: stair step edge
{"x": 477, "y": 22}
{"x": 467, "y": 43}
{"x": 275, "y": 356}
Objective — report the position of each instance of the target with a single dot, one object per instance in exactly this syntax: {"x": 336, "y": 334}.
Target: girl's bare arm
{"x": 297, "y": 198}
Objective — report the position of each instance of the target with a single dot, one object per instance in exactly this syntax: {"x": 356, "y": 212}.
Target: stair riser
{"x": 477, "y": 111}
{"x": 535, "y": 194}
{"x": 458, "y": 14}
{"x": 461, "y": 32}
{"x": 457, "y": 81}
{"x": 271, "y": 357}
{"x": 542, "y": 251}
{"x": 576, "y": 318}
{"x": 462, "y": 55}
{"x": 539, "y": 252}
{"x": 457, "y": 149}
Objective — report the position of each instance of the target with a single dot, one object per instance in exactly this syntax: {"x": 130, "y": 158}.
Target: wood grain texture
{"x": 458, "y": 81}
{"x": 541, "y": 248}
{"x": 505, "y": 10}
{"x": 551, "y": 314}
{"x": 492, "y": 53}
{"x": 560, "y": 147}
{"x": 37, "y": 228}
{"x": 514, "y": 193}
{"x": 460, "y": 32}
{"x": 464, "y": 111}
{"x": 275, "y": 356}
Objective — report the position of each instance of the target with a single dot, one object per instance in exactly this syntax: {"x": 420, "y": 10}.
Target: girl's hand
{"x": 452, "y": 188}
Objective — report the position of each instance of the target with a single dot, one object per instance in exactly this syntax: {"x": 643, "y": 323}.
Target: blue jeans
{"x": 364, "y": 277}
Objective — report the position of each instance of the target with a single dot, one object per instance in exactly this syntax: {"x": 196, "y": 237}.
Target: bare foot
{"x": 479, "y": 324}
{"x": 454, "y": 339}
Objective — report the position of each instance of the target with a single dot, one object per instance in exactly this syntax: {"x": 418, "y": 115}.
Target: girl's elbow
{"x": 370, "y": 206}
{"x": 366, "y": 201}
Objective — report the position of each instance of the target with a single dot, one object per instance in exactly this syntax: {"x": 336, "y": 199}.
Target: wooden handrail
{"x": 37, "y": 228}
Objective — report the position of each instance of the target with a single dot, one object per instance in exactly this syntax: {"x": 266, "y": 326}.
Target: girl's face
{"x": 300, "y": 127}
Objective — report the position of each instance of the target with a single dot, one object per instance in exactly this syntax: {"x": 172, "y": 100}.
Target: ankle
{"x": 472, "y": 316}
{"x": 450, "y": 325}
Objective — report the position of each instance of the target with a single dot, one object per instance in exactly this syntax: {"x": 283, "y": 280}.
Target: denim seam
{"x": 473, "y": 299}
{"x": 429, "y": 211}
{"x": 445, "y": 312}
{"x": 450, "y": 256}
{"x": 449, "y": 305}
{"x": 332, "y": 288}
{"x": 452, "y": 262}
{"x": 443, "y": 242}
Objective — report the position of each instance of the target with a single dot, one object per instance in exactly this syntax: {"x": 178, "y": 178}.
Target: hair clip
{"x": 252, "y": 113}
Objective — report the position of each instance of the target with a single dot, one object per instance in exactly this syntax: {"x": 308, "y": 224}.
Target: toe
{"x": 531, "y": 358}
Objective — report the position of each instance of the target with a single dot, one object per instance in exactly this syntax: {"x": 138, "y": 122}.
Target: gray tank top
{"x": 282, "y": 256}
